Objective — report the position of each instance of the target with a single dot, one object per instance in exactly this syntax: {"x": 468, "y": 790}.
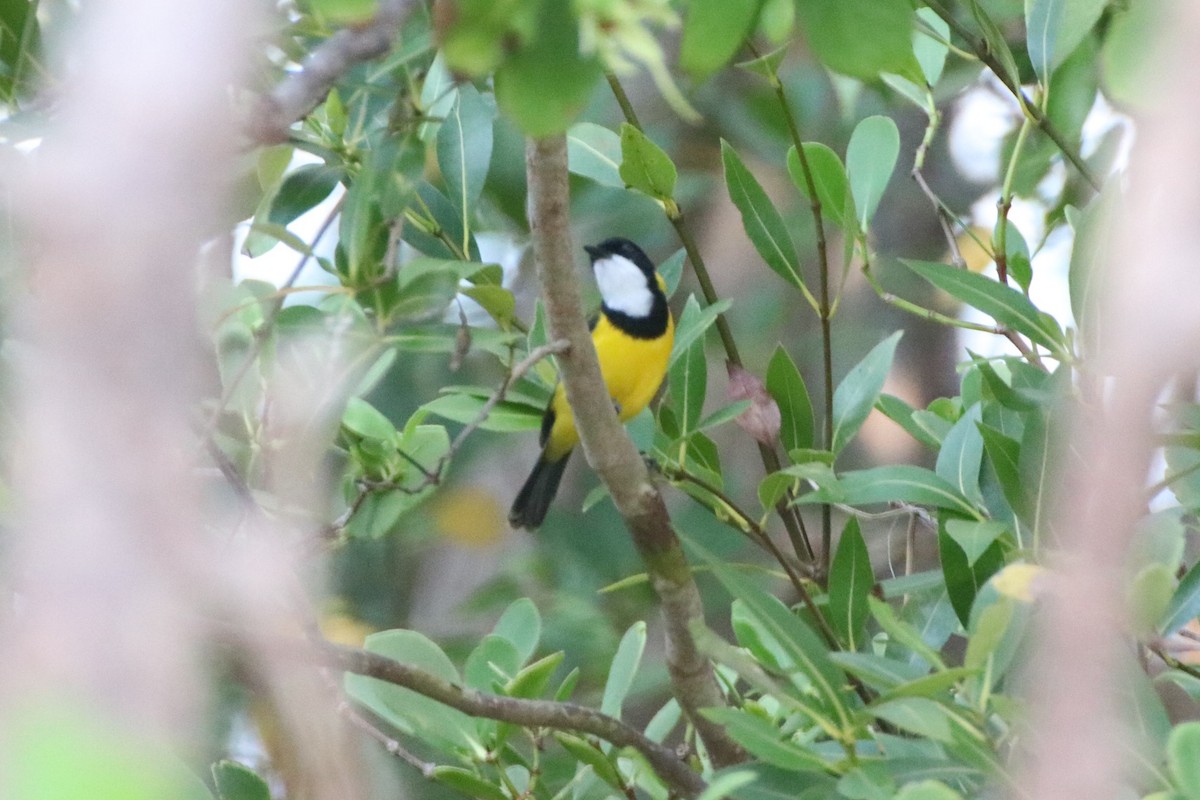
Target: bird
{"x": 633, "y": 334}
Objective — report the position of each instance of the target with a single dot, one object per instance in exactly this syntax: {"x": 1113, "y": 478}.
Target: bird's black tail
{"x": 529, "y": 509}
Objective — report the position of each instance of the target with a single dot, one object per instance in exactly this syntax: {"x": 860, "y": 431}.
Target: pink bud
{"x": 761, "y": 420}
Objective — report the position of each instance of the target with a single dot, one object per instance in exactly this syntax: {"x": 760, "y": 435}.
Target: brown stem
{"x": 530, "y": 713}
{"x": 608, "y": 449}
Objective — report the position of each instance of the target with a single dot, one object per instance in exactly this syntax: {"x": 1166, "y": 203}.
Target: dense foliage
{"x": 871, "y": 679}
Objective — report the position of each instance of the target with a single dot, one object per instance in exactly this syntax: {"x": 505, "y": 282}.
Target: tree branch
{"x": 531, "y": 713}
{"x": 608, "y": 448}
{"x": 301, "y": 91}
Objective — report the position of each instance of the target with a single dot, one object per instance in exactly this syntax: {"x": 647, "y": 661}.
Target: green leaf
{"x": 1185, "y": 603}
{"x": 506, "y": 417}
{"x": 764, "y": 741}
{"x": 860, "y": 38}
{"x": 927, "y": 790}
{"x": 903, "y": 633}
{"x": 964, "y": 578}
{"x": 1004, "y": 454}
{"x": 20, "y": 43}
{"x": 645, "y": 166}
{"x": 851, "y": 580}
{"x": 929, "y": 44}
{"x": 829, "y": 178}
{"x": 521, "y": 624}
{"x": 594, "y": 151}
{"x": 918, "y": 715}
{"x": 878, "y": 672}
{"x": 413, "y": 713}
{"x": 464, "y": 150}
{"x": 1183, "y": 758}
{"x": 800, "y": 649}
{"x": 903, "y": 415}
{"x": 365, "y": 420}
{"x": 624, "y": 667}
{"x": 975, "y": 537}
{"x": 494, "y": 660}
{"x": 587, "y": 753}
{"x": 870, "y": 160}
{"x": 1003, "y": 303}
{"x": 671, "y": 270}
{"x": 345, "y": 12}
{"x": 903, "y": 483}
{"x": 787, "y": 387}
{"x": 467, "y": 783}
{"x": 687, "y": 379}
{"x": 961, "y": 456}
{"x": 531, "y": 681}
{"x": 301, "y": 190}
{"x": 713, "y": 31}
{"x": 762, "y": 221}
{"x": 723, "y": 415}
{"x": 1054, "y": 28}
{"x": 546, "y": 83}
{"x": 997, "y": 43}
{"x": 856, "y": 394}
{"x": 693, "y": 322}
{"x": 1131, "y": 55}
{"x": 235, "y": 781}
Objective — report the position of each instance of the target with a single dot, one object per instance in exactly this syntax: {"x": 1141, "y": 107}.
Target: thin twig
{"x": 1031, "y": 111}
{"x": 301, "y": 91}
{"x": 825, "y": 310}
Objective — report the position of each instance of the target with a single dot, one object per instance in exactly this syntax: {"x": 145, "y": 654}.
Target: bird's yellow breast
{"x": 632, "y": 368}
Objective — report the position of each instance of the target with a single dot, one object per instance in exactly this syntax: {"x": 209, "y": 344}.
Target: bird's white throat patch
{"x": 623, "y": 286}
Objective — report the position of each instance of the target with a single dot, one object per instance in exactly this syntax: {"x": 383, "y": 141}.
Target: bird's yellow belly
{"x": 632, "y": 368}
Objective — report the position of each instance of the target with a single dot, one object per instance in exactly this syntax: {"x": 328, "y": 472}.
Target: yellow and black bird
{"x": 633, "y": 335}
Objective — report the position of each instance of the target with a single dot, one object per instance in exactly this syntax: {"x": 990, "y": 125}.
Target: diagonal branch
{"x": 609, "y": 450}
{"x": 301, "y": 91}
{"x": 532, "y": 713}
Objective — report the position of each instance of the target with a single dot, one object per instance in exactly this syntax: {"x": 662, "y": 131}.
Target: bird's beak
{"x": 595, "y": 252}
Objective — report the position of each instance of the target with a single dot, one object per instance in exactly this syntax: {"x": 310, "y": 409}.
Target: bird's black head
{"x": 618, "y": 246}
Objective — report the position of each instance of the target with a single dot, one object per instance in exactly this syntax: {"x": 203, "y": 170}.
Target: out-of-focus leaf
{"x": 466, "y": 782}
{"x": 1054, "y": 28}
{"x": 713, "y": 31}
{"x": 521, "y": 624}
{"x": 545, "y": 84}
{"x": 506, "y": 417}
{"x": 860, "y": 38}
{"x": 304, "y": 188}
{"x": 235, "y": 781}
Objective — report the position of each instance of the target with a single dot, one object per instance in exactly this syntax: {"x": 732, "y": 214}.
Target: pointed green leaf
{"x": 851, "y": 580}
{"x": 898, "y": 483}
{"x": 624, "y": 667}
{"x": 235, "y": 781}
{"x": 464, "y": 150}
{"x": 764, "y": 741}
{"x": 693, "y": 322}
{"x": 856, "y": 394}
{"x": 1003, "y": 303}
{"x": 688, "y": 378}
{"x": 1185, "y": 603}
{"x": 763, "y": 223}
{"x": 795, "y": 407}
{"x": 964, "y": 578}
{"x": 961, "y": 456}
